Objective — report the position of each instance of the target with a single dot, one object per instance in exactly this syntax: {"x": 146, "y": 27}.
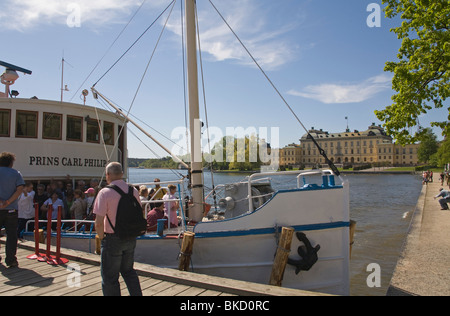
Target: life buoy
{"x": 307, "y": 252}
{"x": 257, "y": 199}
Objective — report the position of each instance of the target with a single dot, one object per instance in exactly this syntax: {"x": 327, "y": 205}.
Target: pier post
{"x": 41, "y": 236}
{"x": 186, "y": 251}
{"x": 282, "y": 256}
{"x": 37, "y": 234}
{"x": 352, "y": 235}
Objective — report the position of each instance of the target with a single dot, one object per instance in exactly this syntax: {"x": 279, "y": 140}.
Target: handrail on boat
{"x": 75, "y": 221}
{"x": 299, "y": 173}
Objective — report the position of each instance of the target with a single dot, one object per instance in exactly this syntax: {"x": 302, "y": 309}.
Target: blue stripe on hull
{"x": 271, "y": 230}
{"x": 256, "y": 231}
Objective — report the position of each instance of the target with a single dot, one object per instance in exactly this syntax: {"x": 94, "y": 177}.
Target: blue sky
{"x": 320, "y": 54}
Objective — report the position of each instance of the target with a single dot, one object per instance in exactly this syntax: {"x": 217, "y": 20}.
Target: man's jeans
{"x": 444, "y": 202}
{"x": 118, "y": 257}
{"x": 10, "y": 220}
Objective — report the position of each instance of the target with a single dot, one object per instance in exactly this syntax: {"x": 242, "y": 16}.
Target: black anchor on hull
{"x": 308, "y": 254}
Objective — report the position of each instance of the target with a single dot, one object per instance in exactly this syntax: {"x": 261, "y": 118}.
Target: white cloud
{"x": 251, "y": 19}
{"x": 253, "y": 24}
{"x": 330, "y": 93}
{"x": 27, "y": 14}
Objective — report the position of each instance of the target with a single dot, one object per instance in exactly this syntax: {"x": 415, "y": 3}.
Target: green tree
{"x": 421, "y": 74}
{"x": 443, "y": 154}
{"x": 232, "y": 153}
{"x": 428, "y": 145}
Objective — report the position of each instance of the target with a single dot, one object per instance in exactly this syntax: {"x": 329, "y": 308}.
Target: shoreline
{"x": 363, "y": 172}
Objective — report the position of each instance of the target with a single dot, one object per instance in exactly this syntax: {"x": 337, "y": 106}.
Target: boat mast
{"x": 196, "y": 211}
{"x": 62, "y": 79}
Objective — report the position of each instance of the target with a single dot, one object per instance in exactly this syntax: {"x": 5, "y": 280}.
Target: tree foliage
{"x": 422, "y": 72}
{"x": 428, "y": 146}
{"x": 443, "y": 154}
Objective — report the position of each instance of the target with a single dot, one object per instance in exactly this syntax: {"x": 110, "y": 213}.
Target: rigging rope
{"x": 108, "y": 50}
{"x": 321, "y": 151}
{"x": 135, "y": 42}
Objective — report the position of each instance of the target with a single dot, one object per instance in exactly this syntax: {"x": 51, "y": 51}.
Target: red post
{"x": 58, "y": 259}
{"x": 48, "y": 256}
{"x": 36, "y": 255}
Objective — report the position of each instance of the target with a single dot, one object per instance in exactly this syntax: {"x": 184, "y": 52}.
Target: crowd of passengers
{"x": 77, "y": 203}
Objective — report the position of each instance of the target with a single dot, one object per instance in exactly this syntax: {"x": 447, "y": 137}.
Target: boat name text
{"x": 67, "y": 162}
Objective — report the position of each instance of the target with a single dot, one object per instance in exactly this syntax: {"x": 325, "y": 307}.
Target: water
{"x": 381, "y": 205}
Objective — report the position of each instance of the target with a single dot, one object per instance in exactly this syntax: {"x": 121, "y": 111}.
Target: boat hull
{"x": 243, "y": 248}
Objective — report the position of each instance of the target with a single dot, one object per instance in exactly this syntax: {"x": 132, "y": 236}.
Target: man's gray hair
{"x": 114, "y": 169}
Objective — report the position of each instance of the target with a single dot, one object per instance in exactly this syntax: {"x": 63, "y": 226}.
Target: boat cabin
{"x": 54, "y": 139}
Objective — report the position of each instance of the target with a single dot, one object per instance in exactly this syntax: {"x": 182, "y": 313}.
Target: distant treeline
{"x": 163, "y": 163}
{"x": 230, "y": 153}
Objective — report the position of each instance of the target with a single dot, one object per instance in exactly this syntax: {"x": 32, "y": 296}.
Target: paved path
{"x": 424, "y": 265}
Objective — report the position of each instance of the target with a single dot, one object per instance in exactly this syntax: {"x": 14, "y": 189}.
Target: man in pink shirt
{"x": 117, "y": 255}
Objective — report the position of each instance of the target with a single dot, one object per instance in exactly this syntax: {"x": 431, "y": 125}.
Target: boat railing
{"x": 77, "y": 226}
{"x": 299, "y": 173}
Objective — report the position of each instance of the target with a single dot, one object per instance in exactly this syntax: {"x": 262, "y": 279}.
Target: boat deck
{"x": 33, "y": 278}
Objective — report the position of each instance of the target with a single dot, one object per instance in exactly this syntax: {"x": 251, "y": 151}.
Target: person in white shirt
{"x": 26, "y": 210}
{"x": 55, "y": 201}
{"x": 171, "y": 206}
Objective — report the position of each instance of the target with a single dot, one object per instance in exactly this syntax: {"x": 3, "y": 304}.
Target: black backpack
{"x": 130, "y": 222}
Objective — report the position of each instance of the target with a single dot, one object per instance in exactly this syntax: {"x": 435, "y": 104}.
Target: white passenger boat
{"x": 52, "y": 139}
{"x": 240, "y": 246}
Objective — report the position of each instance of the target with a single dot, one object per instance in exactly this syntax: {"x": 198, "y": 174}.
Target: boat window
{"x": 93, "y": 132}
{"x": 5, "y": 117}
{"x": 108, "y": 133}
{"x": 26, "y": 124}
{"x": 52, "y": 126}
{"x": 74, "y": 128}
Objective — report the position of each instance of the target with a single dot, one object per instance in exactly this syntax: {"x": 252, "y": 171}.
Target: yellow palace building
{"x": 372, "y": 146}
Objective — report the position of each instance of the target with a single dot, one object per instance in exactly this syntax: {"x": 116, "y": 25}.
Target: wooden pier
{"x": 33, "y": 278}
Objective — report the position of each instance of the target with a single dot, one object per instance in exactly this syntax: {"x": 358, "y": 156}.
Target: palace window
{"x": 26, "y": 124}
{"x": 74, "y": 128}
{"x": 5, "y": 118}
{"x": 52, "y": 126}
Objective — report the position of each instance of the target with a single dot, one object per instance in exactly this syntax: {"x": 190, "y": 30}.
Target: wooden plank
{"x": 153, "y": 290}
{"x": 60, "y": 283}
{"x": 26, "y": 277}
{"x": 191, "y": 291}
{"x": 149, "y": 282}
{"x": 172, "y": 291}
{"x": 210, "y": 293}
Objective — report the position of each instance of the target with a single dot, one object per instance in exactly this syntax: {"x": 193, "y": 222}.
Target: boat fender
{"x": 307, "y": 252}
{"x": 257, "y": 199}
